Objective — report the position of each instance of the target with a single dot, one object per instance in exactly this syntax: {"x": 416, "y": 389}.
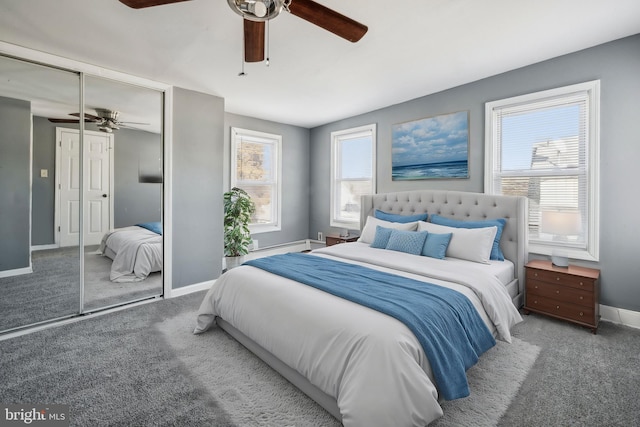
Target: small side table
{"x": 334, "y": 240}
{"x": 569, "y": 293}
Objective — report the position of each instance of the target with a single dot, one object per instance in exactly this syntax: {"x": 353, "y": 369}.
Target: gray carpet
{"x": 142, "y": 366}
{"x": 53, "y": 289}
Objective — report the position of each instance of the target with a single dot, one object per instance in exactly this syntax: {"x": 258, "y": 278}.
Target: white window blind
{"x": 545, "y": 146}
{"x": 352, "y": 173}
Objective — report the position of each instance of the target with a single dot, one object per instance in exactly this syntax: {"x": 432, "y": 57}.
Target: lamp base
{"x": 560, "y": 260}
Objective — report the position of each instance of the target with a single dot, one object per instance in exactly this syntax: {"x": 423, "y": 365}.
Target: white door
{"x": 97, "y": 185}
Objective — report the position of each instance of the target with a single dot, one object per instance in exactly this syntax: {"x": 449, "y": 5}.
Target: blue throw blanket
{"x": 444, "y": 321}
{"x": 156, "y": 226}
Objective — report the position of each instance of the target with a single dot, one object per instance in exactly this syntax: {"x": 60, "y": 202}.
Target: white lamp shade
{"x": 561, "y": 223}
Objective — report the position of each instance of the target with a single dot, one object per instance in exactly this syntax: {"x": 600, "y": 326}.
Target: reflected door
{"x": 97, "y": 180}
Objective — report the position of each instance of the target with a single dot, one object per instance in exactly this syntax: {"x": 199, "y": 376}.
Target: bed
{"x": 136, "y": 251}
{"x": 363, "y": 366}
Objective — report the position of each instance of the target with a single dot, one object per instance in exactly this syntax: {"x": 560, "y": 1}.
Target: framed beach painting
{"x": 431, "y": 148}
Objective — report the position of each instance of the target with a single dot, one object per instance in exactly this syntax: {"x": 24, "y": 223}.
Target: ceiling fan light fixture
{"x": 257, "y": 10}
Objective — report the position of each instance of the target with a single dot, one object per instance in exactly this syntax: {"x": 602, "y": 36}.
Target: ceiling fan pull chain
{"x": 268, "y": 42}
{"x": 285, "y": 5}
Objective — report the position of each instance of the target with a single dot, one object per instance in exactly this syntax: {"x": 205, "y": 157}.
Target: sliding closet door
{"x": 39, "y": 267}
{"x": 123, "y": 251}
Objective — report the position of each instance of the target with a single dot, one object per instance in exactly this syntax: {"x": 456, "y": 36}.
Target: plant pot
{"x": 234, "y": 261}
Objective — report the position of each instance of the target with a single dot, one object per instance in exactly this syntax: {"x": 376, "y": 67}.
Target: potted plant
{"x": 238, "y": 208}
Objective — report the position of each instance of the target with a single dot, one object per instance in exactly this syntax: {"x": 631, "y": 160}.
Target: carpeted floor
{"x": 53, "y": 289}
{"x": 142, "y": 366}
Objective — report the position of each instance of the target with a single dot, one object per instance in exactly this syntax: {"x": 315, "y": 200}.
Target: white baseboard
{"x": 16, "y": 272}
{"x": 44, "y": 247}
{"x": 620, "y": 316}
{"x": 197, "y": 287}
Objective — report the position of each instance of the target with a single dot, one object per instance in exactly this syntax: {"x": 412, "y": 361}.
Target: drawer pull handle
{"x": 581, "y": 297}
{"x": 557, "y": 292}
{"x": 581, "y": 314}
{"x": 536, "y": 286}
{"x": 535, "y": 274}
{"x": 557, "y": 307}
{"x": 581, "y": 284}
{"x": 557, "y": 278}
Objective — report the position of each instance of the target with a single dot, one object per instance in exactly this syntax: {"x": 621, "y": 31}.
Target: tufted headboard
{"x": 465, "y": 206}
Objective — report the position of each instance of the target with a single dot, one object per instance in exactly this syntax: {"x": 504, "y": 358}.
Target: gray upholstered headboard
{"x": 465, "y": 206}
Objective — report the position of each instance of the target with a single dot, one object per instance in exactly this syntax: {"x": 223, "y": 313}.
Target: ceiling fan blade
{"x": 67, "y": 121}
{"x": 132, "y": 123}
{"x": 253, "y": 41}
{"x": 328, "y": 19}
{"x": 140, "y": 4}
{"x": 88, "y": 117}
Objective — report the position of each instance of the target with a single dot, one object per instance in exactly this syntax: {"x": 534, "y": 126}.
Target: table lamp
{"x": 561, "y": 224}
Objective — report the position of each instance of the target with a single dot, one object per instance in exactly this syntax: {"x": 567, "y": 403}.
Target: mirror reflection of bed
{"x": 127, "y": 263}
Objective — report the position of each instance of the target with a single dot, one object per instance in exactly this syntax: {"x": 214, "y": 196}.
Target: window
{"x": 255, "y": 167}
{"x": 545, "y": 146}
{"x": 353, "y": 160}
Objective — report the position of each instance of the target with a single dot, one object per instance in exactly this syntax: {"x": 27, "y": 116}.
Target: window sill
{"x": 572, "y": 253}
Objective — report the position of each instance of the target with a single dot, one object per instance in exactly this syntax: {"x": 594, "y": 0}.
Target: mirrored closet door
{"x": 123, "y": 253}
{"x": 80, "y": 204}
{"x": 39, "y": 267}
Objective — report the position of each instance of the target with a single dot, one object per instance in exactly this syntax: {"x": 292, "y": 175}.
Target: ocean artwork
{"x": 434, "y": 147}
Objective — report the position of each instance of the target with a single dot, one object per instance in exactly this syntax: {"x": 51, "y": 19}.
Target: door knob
{"x": 104, "y": 195}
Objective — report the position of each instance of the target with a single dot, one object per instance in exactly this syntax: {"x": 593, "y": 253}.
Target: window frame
{"x": 336, "y": 163}
{"x": 591, "y": 91}
{"x": 237, "y": 135}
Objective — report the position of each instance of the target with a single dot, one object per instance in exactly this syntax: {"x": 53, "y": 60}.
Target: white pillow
{"x": 472, "y": 244}
{"x": 369, "y": 230}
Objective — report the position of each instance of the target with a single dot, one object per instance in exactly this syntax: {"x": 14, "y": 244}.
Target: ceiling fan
{"x": 106, "y": 120}
{"x": 257, "y": 12}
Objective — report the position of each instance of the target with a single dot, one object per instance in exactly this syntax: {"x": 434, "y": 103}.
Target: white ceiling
{"x": 413, "y": 47}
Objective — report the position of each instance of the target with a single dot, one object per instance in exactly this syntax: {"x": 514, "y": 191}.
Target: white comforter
{"x": 370, "y": 362}
{"x": 136, "y": 252}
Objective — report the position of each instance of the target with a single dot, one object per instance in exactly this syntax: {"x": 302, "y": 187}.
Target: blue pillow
{"x": 156, "y": 227}
{"x": 399, "y": 218}
{"x": 435, "y": 246}
{"x": 381, "y": 238}
{"x": 496, "y": 252}
{"x": 410, "y": 242}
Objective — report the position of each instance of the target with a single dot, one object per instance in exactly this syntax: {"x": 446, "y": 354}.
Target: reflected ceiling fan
{"x": 106, "y": 120}
{"x": 257, "y": 12}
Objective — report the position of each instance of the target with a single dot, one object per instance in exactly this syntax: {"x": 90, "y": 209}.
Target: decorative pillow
{"x": 369, "y": 230}
{"x": 410, "y": 242}
{"x": 382, "y": 237}
{"x": 435, "y": 246}
{"x": 472, "y": 244}
{"x": 496, "y": 252}
{"x": 399, "y": 218}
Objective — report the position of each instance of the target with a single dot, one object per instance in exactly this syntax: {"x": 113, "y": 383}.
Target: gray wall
{"x": 616, "y": 64}
{"x": 295, "y": 176}
{"x": 15, "y": 159}
{"x": 197, "y": 156}
{"x": 134, "y": 202}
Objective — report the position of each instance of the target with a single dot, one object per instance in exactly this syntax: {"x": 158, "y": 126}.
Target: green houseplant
{"x": 238, "y": 208}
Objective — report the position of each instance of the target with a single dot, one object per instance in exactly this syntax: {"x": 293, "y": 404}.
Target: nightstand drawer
{"x": 556, "y": 277}
{"x": 560, "y": 309}
{"x": 561, "y": 292}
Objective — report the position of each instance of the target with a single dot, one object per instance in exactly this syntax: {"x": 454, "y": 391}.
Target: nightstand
{"x": 569, "y": 293}
{"x": 334, "y": 240}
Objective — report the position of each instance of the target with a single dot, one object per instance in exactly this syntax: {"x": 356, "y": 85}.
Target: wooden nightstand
{"x": 334, "y": 240}
{"x": 570, "y": 293}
